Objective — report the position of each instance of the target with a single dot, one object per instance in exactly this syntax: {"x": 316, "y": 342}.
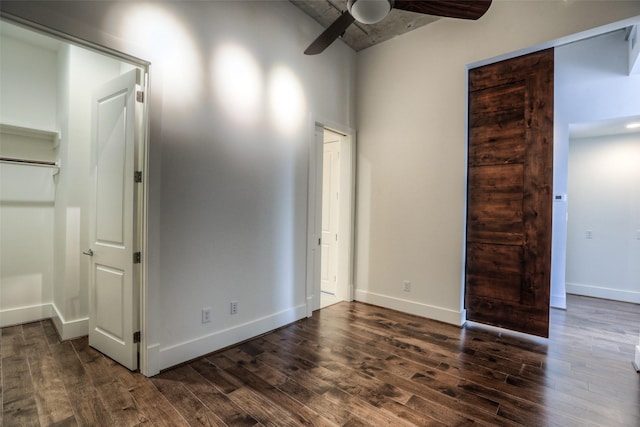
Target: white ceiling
{"x": 604, "y": 127}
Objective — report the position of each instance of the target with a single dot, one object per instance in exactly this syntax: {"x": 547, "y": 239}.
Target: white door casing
{"x": 114, "y": 278}
{"x": 330, "y": 218}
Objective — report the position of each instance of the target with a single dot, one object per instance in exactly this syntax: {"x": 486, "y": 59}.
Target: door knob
{"x": 89, "y": 252}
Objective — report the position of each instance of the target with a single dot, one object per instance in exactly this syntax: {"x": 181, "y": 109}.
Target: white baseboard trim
{"x": 188, "y": 350}
{"x": 558, "y": 301}
{"x": 20, "y": 315}
{"x": 69, "y": 329}
{"x": 606, "y": 293}
{"x": 446, "y": 315}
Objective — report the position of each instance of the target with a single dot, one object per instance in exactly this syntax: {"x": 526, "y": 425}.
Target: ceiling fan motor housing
{"x": 369, "y": 11}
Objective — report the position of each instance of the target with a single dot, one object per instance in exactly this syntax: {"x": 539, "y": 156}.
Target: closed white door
{"x": 114, "y": 283}
{"x": 330, "y": 216}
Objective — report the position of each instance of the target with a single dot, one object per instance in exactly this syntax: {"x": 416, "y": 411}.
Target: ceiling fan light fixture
{"x": 369, "y": 11}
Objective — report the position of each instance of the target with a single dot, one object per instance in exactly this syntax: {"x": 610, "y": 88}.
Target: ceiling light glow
{"x": 238, "y": 83}
{"x": 287, "y": 103}
{"x": 170, "y": 47}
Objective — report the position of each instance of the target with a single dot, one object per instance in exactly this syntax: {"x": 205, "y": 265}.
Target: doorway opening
{"x": 48, "y": 87}
{"x": 603, "y": 199}
{"x": 585, "y": 87}
{"x": 331, "y": 217}
{"x": 598, "y": 193}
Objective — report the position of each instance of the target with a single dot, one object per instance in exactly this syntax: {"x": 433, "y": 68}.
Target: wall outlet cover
{"x": 206, "y": 315}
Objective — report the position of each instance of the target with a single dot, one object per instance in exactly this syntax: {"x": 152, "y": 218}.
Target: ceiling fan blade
{"x": 462, "y": 9}
{"x": 329, "y": 35}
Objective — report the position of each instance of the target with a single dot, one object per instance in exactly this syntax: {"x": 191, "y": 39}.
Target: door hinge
{"x": 137, "y": 176}
{"x": 139, "y": 96}
{"x": 136, "y": 337}
{"x": 137, "y": 257}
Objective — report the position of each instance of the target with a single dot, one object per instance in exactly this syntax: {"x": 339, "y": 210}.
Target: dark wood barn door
{"x": 509, "y": 200}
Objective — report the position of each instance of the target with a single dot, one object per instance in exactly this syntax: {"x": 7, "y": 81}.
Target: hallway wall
{"x": 604, "y": 199}
{"x": 412, "y": 131}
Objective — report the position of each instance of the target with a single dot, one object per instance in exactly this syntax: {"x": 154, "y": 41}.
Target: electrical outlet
{"x": 206, "y": 315}
{"x": 588, "y": 234}
{"x": 234, "y": 307}
{"x": 407, "y": 286}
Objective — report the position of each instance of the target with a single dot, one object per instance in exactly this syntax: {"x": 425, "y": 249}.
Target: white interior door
{"x": 113, "y": 292}
{"x": 330, "y": 220}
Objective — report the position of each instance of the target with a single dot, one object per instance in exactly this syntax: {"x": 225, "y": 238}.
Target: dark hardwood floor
{"x": 352, "y": 364}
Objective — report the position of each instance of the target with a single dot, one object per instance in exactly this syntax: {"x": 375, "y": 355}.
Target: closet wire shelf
{"x": 29, "y": 162}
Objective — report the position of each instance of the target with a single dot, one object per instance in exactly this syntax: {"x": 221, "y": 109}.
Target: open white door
{"x": 114, "y": 277}
{"x": 330, "y": 219}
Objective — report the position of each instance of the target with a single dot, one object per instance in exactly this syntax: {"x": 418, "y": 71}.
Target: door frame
{"x": 314, "y": 209}
{"x": 142, "y": 213}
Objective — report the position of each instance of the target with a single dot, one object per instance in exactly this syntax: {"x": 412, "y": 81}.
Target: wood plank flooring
{"x": 352, "y": 364}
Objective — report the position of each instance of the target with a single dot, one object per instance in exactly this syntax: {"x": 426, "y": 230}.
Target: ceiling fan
{"x": 372, "y": 11}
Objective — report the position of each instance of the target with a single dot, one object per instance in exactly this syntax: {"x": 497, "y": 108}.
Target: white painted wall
{"x": 28, "y": 105}
{"x": 591, "y": 84}
{"x": 27, "y": 72}
{"x": 604, "y": 197}
{"x": 231, "y": 94}
{"x": 411, "y": 121}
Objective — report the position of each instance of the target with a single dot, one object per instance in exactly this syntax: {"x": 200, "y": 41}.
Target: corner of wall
{"x": 440, "y": 314}
{"x": 69, "y": 329}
